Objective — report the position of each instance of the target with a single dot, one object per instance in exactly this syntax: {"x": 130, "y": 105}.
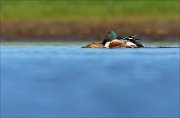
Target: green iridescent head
{"x": 112, "y": 34}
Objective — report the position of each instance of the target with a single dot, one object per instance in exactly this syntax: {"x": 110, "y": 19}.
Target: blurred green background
{"x": 89, "y": 9}
{"x": 42, "y": 18}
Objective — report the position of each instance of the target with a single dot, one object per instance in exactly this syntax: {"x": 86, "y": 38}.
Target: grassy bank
{"x": 90, "y": 9}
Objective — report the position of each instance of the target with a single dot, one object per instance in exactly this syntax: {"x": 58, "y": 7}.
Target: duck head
{"x": 111, "y": 35}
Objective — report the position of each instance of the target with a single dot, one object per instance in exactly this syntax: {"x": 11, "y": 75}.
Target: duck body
{"x": 120, "y": 44}
{"x": 114, "y": 44}
{"x": 112, "y": 40}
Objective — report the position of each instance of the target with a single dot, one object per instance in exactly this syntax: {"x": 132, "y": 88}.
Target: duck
{"x": 112, "y": 40}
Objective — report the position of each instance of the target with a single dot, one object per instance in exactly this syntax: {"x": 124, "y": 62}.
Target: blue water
{"x": 69, "y": 81}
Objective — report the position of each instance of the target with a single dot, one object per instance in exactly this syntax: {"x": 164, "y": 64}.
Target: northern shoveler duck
{"x": 112, "y": 40}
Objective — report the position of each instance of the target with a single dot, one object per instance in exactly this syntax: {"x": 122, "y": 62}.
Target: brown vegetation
{"x": 12, "y": 30}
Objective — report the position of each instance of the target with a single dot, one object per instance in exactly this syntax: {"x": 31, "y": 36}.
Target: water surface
{"x": 69, "y": 81}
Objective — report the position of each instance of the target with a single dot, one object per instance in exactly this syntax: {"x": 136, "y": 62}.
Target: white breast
{"x": 107, "y": 45}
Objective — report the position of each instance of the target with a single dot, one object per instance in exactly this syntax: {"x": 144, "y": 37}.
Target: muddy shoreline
{"x": 72, "y": 30}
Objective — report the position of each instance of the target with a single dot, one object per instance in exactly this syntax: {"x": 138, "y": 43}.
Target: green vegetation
{"x": 89, "y": 9}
